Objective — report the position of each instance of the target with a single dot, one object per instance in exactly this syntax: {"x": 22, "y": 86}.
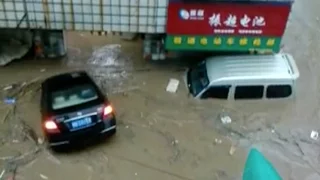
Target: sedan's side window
{"x": 219, "y": 92}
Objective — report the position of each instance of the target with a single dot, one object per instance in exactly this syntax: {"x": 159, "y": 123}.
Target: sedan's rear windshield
{"x": 73, "y": 96}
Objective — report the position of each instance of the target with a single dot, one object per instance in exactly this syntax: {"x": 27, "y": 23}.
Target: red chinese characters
{"x": 228, "y": 18}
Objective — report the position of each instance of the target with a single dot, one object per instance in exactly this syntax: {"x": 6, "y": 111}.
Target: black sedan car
{"x": 73, "y": 108}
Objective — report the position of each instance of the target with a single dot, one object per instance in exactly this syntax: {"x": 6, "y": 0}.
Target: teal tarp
{"x": 257, "y": 167}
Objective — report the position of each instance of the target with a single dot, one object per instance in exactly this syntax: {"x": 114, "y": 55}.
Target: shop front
{"x": 221, "y": 26}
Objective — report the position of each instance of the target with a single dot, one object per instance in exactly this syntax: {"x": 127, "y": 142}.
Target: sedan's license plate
{"x": 82, "y": 123}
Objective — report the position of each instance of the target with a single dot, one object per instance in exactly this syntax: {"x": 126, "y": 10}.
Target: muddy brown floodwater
{"x": 163, "y": 135}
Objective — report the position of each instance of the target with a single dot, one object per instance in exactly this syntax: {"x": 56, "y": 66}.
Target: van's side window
{"x": 249, "y": 92}
{"x": 279, "y": 91}
{"x": 219, "y": 92}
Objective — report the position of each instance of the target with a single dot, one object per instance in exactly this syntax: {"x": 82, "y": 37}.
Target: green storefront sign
{"x": 223, "y": 43}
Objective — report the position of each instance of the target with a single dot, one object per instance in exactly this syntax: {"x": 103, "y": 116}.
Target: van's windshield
{"x": 197, "y": 79}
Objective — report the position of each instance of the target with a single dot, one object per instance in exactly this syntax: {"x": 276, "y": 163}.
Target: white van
{"x": 244, "y": 77}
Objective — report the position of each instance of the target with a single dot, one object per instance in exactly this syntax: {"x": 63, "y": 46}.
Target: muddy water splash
{"x": 109, "y": 67}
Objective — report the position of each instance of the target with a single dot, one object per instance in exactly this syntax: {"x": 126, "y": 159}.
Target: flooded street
{"x": 163, "y": 135}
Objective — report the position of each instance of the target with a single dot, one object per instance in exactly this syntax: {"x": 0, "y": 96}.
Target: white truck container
{"x": 147, "y": 18}
{"x": 136, "y": 16}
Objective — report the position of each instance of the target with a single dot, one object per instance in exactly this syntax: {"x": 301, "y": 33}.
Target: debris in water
{"x": 6, "y": 158}
{"x": 136, "y": 174}
{"x": 232, "y": 150}
{"x": 43, "y": 176}
{"x": 2, "y": 173}
{"x": 172, "y": 85}
{"x": 15, "y": 141}
{"x": 43, "y": 70}
{"x": 225, "y": 119}
{"x": 9, "y": 100}
{"x": 127, "y": 127}
{"x": 6, "y": 116}
{"x": 125, "y": 91}
{"x": 273, "y": 131}
{"x": 40, "y": 141}
{"x": 7, "y": 88}
{"x": 123, "y": 74}
{"x": 105, "y": 157}
{"x": 314, "y": 135}
{"x": 218, "y": 141}
{"x": 23, "y": 84}
{"x": 174, "y": 142}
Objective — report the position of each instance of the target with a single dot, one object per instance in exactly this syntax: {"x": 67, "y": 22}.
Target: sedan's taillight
{"x": 107, "y": 111}
{"x": 51, "y": 127}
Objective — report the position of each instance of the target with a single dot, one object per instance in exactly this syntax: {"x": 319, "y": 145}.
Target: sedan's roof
{"x": 66, "y": 80}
